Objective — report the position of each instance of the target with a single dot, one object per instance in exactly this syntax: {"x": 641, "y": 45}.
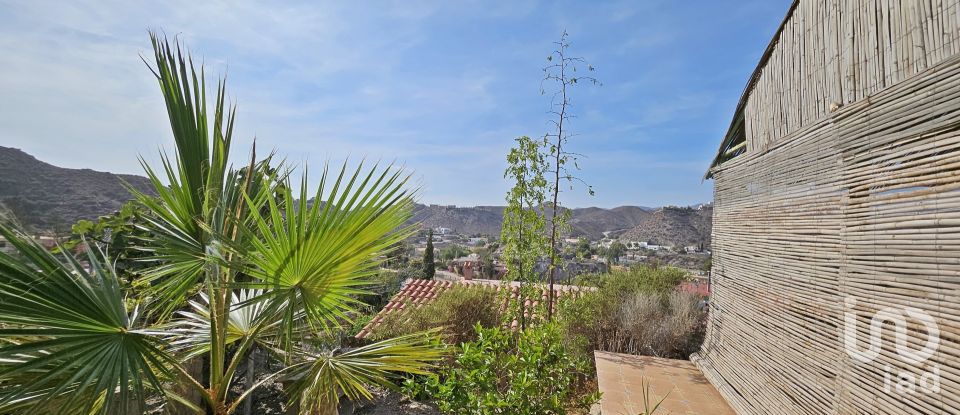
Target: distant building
{"x": 634, "y": 244}
{"x": 631, "y": 258}
{"x": 416, "y": 293}
{"x": 471, "y": 267}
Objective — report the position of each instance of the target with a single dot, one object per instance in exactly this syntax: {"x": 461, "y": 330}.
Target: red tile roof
{"x": 416, "y": 293}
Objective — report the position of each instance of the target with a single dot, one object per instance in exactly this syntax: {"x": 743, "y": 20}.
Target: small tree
{"x": 562, "y": 71}
{"x": 429, "y": 267}
{"x": 398, "y": 255}
{"x": 584, "y": 250}
{"x": 487, "y": 267}
{"x": 523, "y": 231}
{"x": 614, "y": 252}
{"x": 452, "y": 252}
{"x": 119, "y": 237}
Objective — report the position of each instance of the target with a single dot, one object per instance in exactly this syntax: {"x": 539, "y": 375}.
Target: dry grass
{"x": 639, "y": 312}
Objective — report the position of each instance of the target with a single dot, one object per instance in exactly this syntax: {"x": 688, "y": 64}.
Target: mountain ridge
{"x": 49, "y": 199}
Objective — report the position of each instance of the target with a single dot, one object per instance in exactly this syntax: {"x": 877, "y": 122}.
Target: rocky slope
{"x": 48, "y": 199}
{"x": 466, "y": 220}
{"x": 593, "y": 222}
{"x": 674, "y": 226}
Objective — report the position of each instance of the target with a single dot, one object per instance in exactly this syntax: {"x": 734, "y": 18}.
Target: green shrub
{"x": 358, "y": 323}
{"x": 527, "y": 372}
{"x": 452, "y": 252}
{"x": 411, "y": 272}
{"x": 643, "y": 278}
{"x": 382, "y": 288}
{"x": 588, "y": 280}
{"x": 455, "y": 311}
{"x": 387, "y": 281}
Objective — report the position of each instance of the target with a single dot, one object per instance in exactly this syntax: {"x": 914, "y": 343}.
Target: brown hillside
{"x": 48, "y": 199}
{"x": 674, "y": 226}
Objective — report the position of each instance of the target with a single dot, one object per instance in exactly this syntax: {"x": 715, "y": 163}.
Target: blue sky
{"x": 441, "y": 87}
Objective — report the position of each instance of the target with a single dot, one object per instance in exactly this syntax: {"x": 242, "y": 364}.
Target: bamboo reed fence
{"x": 849, "y": 187}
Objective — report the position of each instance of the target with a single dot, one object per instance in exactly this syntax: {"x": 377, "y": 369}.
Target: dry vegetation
{"x": 637, "y": 311}
{"x": 456, "y": 311}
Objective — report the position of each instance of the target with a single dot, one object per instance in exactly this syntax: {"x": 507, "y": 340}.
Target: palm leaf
{"x": 199, "y": 200}
{"x": 325, "y": 376}
{"x": 193, "y": 181}
{"x": 250, "y": 316}
{"x": 69, "y": 344}
{"x": 317, "y": 257}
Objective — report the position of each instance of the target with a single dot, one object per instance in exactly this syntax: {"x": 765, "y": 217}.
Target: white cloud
{"x": 72, "y": 74}
{"x": 442, "y": 87}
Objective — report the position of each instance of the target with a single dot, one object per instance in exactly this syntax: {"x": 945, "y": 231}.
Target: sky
{"x": 442, "y": 88}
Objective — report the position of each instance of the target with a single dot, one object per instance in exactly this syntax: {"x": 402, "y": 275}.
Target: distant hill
{"x": 590, "y": 222}
{"x": 674, "y": 226}
{"x": 466, "y": 220}
{"x": 47, "y": 199}
{"x": 593, "y": 222}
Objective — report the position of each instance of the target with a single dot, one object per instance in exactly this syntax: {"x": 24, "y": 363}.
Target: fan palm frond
{"x": 199, "y": 203}
{"x": 316, "y": 254}
{"x": 250, "y": 316}
{"x": 326, "y": 376}
{"x": 69, "y": 344}
{"x": 195, "y": 180}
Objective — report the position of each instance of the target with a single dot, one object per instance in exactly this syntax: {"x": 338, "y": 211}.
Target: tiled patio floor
{"x": 688, "y": 393}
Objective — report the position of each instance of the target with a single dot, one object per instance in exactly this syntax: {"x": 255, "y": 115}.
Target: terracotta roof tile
{"x": 420, "y": 292}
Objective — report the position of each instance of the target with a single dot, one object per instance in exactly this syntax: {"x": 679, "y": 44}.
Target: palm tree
{"x": 238, "y": 262}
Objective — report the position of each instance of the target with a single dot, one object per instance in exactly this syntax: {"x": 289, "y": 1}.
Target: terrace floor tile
{"x": 622, "y": 378}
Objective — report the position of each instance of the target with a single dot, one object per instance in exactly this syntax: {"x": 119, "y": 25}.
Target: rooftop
{"x": 416, "y": 293}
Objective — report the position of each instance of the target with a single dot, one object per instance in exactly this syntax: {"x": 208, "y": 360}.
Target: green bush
{"x": 358, "y": 323}
{"x": 387, "y": 282}
{"x": 412, "y": 272}
{"x": 452, "y": 252}
{"x": 643, "y": 278}
{"x": 381, "y": 289}
{"x": 527, "y": 372}
{"x": 455, "y": 311}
